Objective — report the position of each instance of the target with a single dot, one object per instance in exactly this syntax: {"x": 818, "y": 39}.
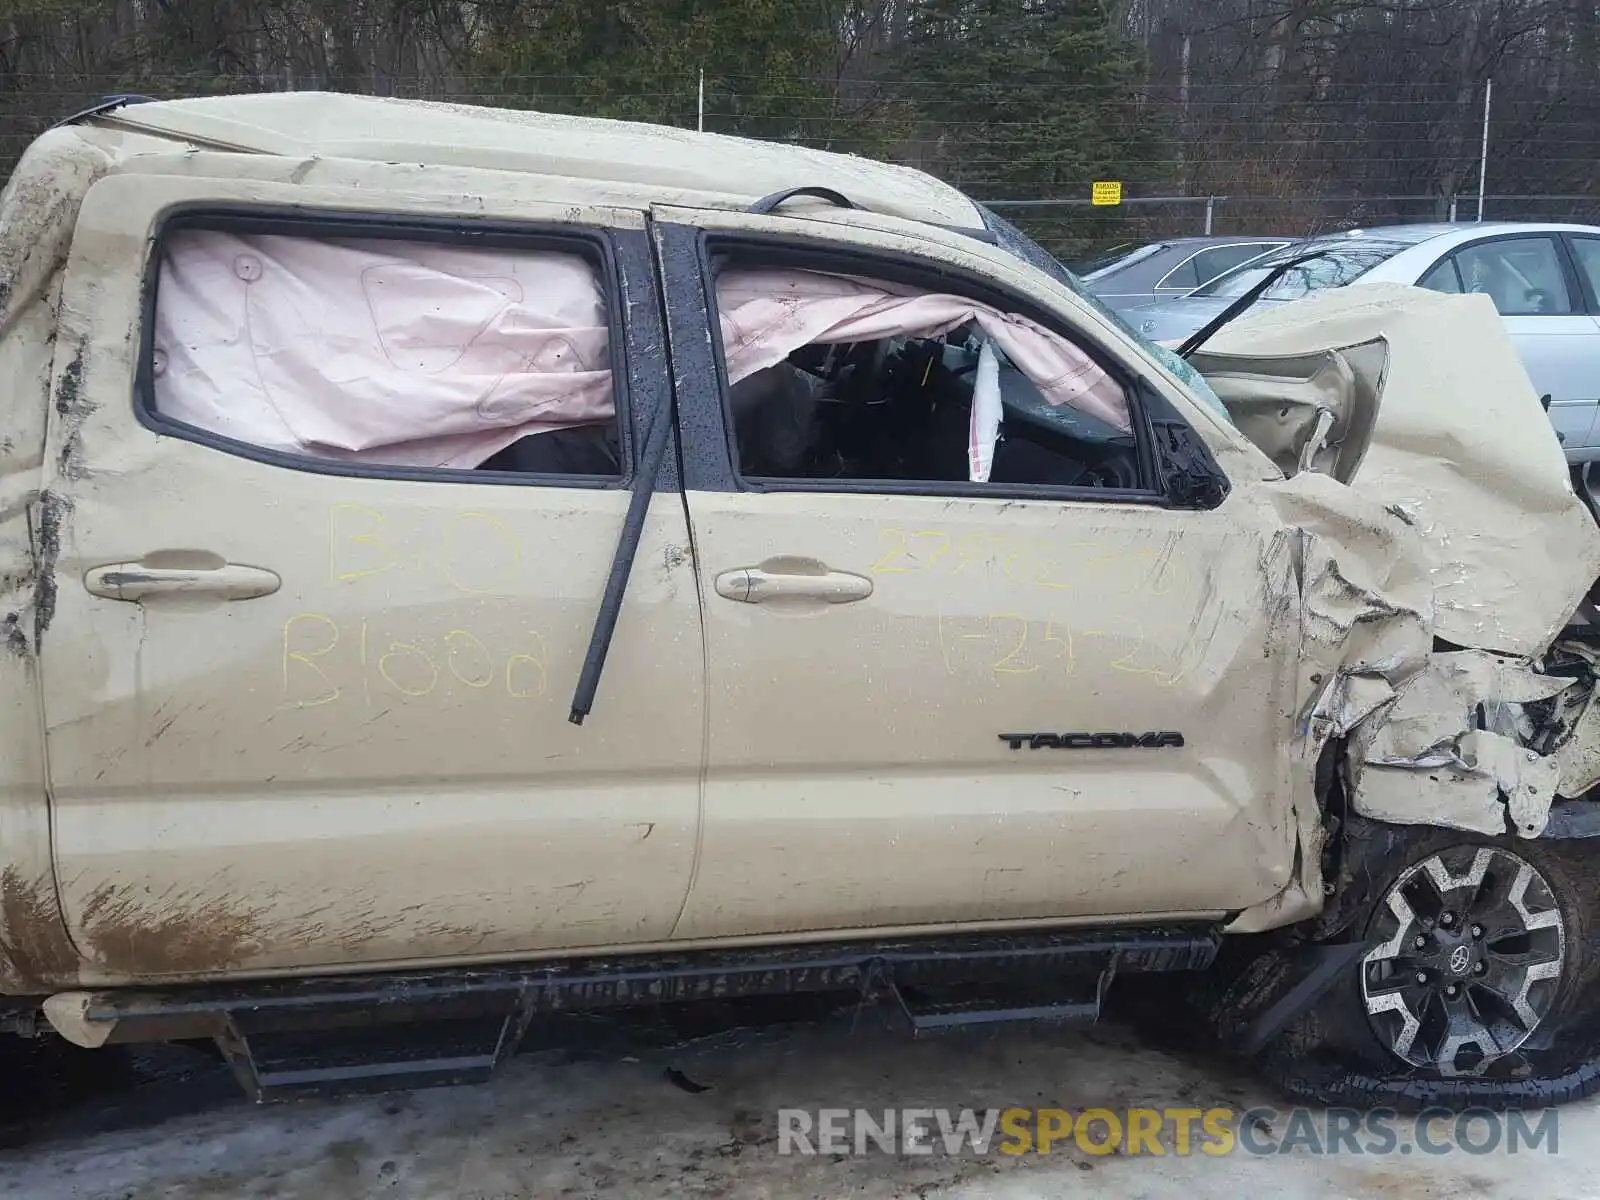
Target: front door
{"x": 1054, "y": 695}
{"x": 309, "y": 706}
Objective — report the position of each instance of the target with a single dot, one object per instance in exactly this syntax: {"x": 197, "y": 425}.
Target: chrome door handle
{"x": 135, "y": 581}
{"x": 755, "y": 585}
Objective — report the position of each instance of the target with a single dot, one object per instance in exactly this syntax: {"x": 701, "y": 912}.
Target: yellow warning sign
{"x": 1106, "y": 193}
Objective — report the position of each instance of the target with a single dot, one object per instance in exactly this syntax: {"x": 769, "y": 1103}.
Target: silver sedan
{"x": 1173, "y": 268}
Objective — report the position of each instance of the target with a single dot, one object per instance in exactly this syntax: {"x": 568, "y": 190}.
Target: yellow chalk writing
{"x": 356, "y": 545}
{"x": 518, "y": 683}
{"x": 321, "y": 635}
{"x": 459, "y": 644}
{"x": 401, "y": 665}
{"x": 472, "y": 553}
{"x": 1011, "y": 644}
{"x": 321, "y": 661}
{"x": 1013, "y": 663}
{"x": 895, "y": 560}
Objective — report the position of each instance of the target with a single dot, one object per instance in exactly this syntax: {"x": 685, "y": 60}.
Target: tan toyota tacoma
{"x": 461, "y": 565}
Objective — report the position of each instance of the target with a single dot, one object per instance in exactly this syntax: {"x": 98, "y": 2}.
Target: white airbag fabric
{"x": 767, "y": 315}
{"x": 377, "y": 351}
{"x": 414, "y": 354}
{"x": 984, "y": 426}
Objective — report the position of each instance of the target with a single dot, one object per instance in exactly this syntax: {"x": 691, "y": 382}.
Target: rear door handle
{"x": 135, "y": 581}
{"x": 756, "y": 585}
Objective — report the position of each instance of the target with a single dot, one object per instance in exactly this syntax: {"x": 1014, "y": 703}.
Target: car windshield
{"x": 1340, "y": 263}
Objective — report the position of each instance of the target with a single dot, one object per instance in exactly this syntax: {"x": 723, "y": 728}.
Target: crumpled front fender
{"x": 1442, "y": 552}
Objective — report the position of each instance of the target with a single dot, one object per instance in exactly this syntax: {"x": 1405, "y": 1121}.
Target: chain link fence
{"x": 1232, "y": 171}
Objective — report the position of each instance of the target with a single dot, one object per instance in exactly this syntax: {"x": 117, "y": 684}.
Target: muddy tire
{"x": 1476, "y": 988}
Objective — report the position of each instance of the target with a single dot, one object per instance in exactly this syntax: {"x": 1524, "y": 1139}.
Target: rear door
{"x": 937, "y": 703}
{"x": 311, "y": 710}
{"x": 1528, "y": 278}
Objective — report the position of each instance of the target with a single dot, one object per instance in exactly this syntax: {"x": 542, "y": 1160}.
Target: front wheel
{"x": 1476, "y": 987}
{"x": 1470, "y": 951}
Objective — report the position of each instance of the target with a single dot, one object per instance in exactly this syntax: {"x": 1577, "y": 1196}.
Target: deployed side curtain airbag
{"x": 415, "y": 354}
{"x": 768, "y": 314}
{"x": 400, "y": 353}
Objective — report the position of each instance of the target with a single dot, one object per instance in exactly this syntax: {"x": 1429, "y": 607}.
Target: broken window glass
{"x": 834, "y": 376}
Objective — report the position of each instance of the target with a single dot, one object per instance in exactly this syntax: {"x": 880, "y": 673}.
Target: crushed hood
{"x": 1433, "y": 415}
{"x": 1442, "y": 550}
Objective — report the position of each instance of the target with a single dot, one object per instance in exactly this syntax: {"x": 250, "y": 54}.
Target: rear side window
{"x": 1183, "y": 277}
{"x": 387, "y": 352}
{"x": 1443, "y": 278}
{"x": 1213, "y": 262}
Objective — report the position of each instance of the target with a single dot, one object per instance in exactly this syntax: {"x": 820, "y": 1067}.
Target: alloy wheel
{"x": 1468, "y": 951}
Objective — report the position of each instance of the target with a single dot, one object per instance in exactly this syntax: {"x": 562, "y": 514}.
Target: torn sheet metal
{"x": 1309, "y": 412}
{"x": 1483, "y": 783}
{"x": 1451, "y": 748}
{"x": 1365, "y": 620}
{"x": 1460, "y": 448}
{"x": 1577, "y": 740}
{"x": 1367, "y": 605}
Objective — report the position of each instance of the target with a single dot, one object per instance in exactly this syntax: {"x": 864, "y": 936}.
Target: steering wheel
{"x": 1113, "y": 471}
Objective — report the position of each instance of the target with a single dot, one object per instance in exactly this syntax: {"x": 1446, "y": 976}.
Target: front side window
{"x": 835, "y": 377}
{"x": 1523, "y": 276}
{"x": 386, "y": 352}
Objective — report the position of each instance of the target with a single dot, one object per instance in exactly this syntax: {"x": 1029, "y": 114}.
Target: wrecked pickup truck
{"x": 461, "y": 565}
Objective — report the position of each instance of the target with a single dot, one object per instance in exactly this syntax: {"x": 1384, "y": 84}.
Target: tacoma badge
{"x": 1092, "y": 741}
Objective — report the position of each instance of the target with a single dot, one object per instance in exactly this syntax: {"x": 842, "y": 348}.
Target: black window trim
{"x": 596, "y": 244}
{"x": 893, "y": 267}
{"x": 1569, "y": 268}
{"x": 1589, "y": 293}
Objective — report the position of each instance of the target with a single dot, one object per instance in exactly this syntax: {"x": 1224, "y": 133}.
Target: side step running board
{"x": 1068, "y": 1001}
{"x": 397, "y": 1031}
{"x": 288, "y": 1064}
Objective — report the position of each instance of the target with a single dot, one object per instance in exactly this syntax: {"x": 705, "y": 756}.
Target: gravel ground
{"x": 627, "y": 1122}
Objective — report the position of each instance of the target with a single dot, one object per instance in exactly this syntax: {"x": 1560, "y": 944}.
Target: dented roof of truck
{"x": 712, "y": 168}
